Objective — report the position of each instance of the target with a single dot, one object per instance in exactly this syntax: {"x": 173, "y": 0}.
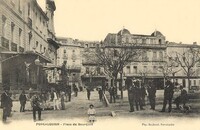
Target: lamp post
{"x": 37, "y": 63}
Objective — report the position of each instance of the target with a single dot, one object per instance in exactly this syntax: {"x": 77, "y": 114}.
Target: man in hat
{"x": 130, "y": 87}
{"x": 35, "y": 103}
{"x": 168, "y": 95}
{"x": 22, "y": 99}
{"x": 5, "y": 104}
{"x": 151, "y": 89}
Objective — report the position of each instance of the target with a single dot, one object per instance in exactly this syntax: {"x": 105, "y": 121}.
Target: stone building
{"x": 179, "y": 75}
{"x": 27, "y": 43}
{"x": 153, "y": 48}
{"x": 79, "y": 55}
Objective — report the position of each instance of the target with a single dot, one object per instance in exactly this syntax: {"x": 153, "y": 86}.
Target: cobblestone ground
{"x": 77, "y": 109}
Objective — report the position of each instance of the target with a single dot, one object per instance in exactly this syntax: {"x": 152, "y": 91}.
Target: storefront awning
{"x": 26, "y": 56}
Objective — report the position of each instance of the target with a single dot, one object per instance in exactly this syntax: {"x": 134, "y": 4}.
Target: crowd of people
{"x": 137, "y": 91}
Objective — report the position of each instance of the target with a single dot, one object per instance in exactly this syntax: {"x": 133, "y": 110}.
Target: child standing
{"x": 91, "y": 113}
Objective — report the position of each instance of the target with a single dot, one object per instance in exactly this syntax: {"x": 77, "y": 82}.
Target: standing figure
{"x": 138, "y": 101}
{"x": 130, "y": 87}
{"x": 75, "y": 89}
{"x": 69, "y": 92}
{"x": 62, "y": 100}
{"x": 22, "y": 99}
{"x": 91, "y": 113}
{"x": 151, "y": 89}
{"x": 88, "y": 93}
{"x": 35, "y": 103}
{"x": 100, "y": 92}
{"x": 55, "y": 100}
{"x": 143, "y": 94}
{"x": 5, "y": 99}
{"x": 112, "y": 94}
{"x": 182, "y": 98}
{"x": 168, "y": 95}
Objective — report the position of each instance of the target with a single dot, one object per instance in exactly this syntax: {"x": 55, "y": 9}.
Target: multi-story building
{"x": 180, "y": 75}
{"x": 27, "y": 43}
{"x": 155, "y": 54}
{"x": 78, "y": 55}
{"x": 153, "y": 48}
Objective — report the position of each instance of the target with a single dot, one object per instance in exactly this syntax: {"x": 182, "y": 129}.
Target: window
{"x": 135, "y": 69}
{"x": 44, "y": 49}
{"x": 29, "y": 9}
{"x": 128, "y": 69}
{"x": 86, "y": 45}
{"x": 98, "y": 70}
{"x": 20, "y": 36}
{"x": 12, "y": 31}
{"x": 36, "y": 44}
{"x": 3, "y": 25}
{"x": 195, "y": 83}
{"x": 73, "y": 51}
{"x": 64, "y": 51}
{"x": 87, "y": 70}
{"x": 154, "y": 56}
{"x": 161, "y": 56}
{"x": 160, "y": 41}
{"x": 154, "y": 69}
{"x": 40, "y": 48}
{"x": 145, "y": 68}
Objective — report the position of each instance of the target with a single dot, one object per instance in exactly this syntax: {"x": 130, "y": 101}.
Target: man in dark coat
{"x": 130, "y": 88}
{"x": 35, "y": 103}
{"x": 112, "y": 94}
{"x": 151, "y": 89}
{"x": 168, "y": 95}
{"x": 88, "y": 92}
{"x": 138, "y": 94}
{"x": 100, "y": 92}
{"x": 22, "y": 99}
{"x": 5, "y": 104}
{"x": 75, "y": 89}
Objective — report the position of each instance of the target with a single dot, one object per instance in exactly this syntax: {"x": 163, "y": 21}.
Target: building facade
{"x": 27, "y": 43}
{"x": 153, "y": 54}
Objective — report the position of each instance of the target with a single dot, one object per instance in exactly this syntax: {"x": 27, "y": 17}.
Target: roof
{"x": 156, "y": 33}
{"x": 124, "y": 32}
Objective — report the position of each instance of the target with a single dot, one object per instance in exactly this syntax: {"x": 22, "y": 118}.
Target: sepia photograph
{"x": 99, "y": 64}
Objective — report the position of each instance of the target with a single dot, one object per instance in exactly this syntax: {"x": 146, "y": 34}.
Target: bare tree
{"x": 187, "y": 60}
{"x": 167, "y": 69}
{"x": 114, "y": 59}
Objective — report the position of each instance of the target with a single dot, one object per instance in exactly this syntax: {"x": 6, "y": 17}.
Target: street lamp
{"x": 37, "y": 63}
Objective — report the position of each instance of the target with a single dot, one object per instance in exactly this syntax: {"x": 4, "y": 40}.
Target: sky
{"x": 92, "y": 20}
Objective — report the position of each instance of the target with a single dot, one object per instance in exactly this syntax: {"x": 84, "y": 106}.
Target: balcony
{"x": 5, "y": 42}
{"x": 13, "y": 47}
{"x": 29, "y": 22}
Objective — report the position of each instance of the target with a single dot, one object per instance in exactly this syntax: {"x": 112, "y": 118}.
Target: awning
{"x": 27, "y": 56}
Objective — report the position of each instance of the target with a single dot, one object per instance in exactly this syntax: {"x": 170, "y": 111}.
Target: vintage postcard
{"x": 99, "y": 64}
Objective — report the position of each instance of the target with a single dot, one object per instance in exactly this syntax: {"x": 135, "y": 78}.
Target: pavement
{"x": 77, "y": 109}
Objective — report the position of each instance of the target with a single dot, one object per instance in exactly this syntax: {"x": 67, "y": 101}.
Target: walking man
{"x": 22, "y": 99}
{"x": 88, "y": 93}
{"x": 100, "y": 92}
{"x": 35, "y": 103}
{"x": 168, "y": 95}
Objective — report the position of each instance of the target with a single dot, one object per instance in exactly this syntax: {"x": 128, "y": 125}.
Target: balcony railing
{"x": 30, "y": 22}
{"x": 5, "y": 42}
